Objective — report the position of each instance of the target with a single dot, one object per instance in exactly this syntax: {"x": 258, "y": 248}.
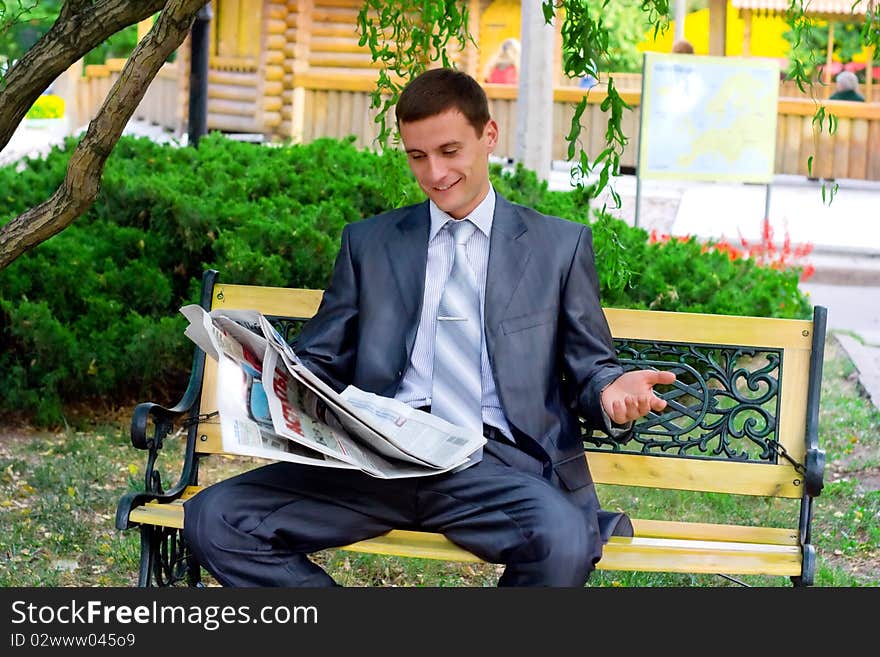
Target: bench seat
{"x": 658, "y": 545}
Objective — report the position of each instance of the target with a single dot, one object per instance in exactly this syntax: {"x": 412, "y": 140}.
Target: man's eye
{"x": 416, "y": 156}
{"x": 451, "y": 152}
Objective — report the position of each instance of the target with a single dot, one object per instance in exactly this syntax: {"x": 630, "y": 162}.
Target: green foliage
{"x": 406, "y": 36}
{"x": 91, "y": 315}
{"x": 683, "y": 275}
{"x": 809, "y": 40}
{"x": 811, "y": 46}
{"x": 593, "y": 41}
{"x": 615, "y": 26}
{"x": 24, "y": 22}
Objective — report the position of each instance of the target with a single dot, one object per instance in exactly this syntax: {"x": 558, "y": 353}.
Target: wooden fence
{"x": 338, "y": 105}
{"x": 164, "y": 104}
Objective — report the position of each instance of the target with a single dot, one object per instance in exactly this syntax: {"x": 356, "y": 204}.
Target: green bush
{"x": 91, "y": 315}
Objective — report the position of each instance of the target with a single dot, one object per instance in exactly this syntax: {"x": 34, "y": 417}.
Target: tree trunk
{"x": 86, "y": 166}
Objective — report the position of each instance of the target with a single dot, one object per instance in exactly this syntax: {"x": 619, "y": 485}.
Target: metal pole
{"x": 680, "y": 18}
{"x": 533, "y": 146}
{"x": 642, "y": 123}
{"x": 767, "y": 203}
{"x": 198, "y": 76}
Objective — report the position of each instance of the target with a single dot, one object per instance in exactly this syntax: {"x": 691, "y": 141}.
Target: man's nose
{"x": 436, "y": 169}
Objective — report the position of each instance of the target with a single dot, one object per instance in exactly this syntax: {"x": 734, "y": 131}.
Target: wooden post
{"x": 747, "y": 32}
{"x": 302, "y": 10}
{"x": 472, "y": 52}
{"x": 718, "y": 27}
{"x": 68, "y": 87}
{"x": 558, "y": 73}
{"x": 826, "y": 74}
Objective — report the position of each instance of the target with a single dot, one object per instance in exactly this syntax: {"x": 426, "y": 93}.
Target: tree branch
{"x": 80, "y": 27}
{"x": 86, "y": 166}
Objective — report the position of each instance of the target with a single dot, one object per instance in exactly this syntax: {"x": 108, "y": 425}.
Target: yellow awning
{"x": 834, "y": 9}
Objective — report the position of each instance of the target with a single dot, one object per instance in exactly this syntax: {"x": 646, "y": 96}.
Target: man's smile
{"x": 443, "y": 188}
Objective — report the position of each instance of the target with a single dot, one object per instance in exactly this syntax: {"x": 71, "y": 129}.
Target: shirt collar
{"x": 481, "y": 216}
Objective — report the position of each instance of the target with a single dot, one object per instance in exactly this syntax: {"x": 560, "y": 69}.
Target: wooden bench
{"x": 742, "y": 419}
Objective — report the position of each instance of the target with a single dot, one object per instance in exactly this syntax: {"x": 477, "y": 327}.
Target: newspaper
{"x": 272, "y": 406}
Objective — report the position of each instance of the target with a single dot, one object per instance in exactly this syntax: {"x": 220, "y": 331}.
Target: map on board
{"x": 708, "y": 118}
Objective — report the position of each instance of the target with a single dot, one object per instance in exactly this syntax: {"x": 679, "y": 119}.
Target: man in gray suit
{"x": 546, "y": 357}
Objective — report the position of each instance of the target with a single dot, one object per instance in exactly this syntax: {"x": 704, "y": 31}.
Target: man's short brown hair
{"x": 440, "y": 89}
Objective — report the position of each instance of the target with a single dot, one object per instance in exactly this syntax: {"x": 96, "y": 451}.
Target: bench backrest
{"x": 741, "y": 415}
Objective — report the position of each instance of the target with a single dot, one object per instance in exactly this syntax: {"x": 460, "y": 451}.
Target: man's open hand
{"x": 631, "y": 396}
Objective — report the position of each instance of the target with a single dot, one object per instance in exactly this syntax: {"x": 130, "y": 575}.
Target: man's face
{"x": 450, "y": 160}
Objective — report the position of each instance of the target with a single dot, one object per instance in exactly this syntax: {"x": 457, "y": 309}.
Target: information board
{"x": 708, "y": 118}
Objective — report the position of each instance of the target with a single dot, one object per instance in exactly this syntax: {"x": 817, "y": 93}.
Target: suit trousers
{"x": 258, "y": 528}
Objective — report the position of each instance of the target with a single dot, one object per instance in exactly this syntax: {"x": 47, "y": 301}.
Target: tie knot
{"x": 461, "y": 230}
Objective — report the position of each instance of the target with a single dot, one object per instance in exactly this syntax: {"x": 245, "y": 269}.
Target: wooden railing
{"x": 338, "y": 105}
{"x": 852, "y": 151}
{"x": 789, "y": 89}
{"x": 164, "y": 103}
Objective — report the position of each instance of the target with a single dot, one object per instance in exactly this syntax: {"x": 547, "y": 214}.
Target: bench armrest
{"x": 131, "y": 501}
{"x": 815, "y": 470}
{"x": 163, "y": 417}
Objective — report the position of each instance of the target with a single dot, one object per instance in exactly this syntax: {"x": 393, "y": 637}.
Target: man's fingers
{"x": 658, "y": 403}
{"x": 639, "y": 399}
{"x": 664, "y": 376}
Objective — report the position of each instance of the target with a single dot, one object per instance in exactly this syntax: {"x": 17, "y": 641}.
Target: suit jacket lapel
{"x": 407, "y": 251}
{"x": 508, "y": 257}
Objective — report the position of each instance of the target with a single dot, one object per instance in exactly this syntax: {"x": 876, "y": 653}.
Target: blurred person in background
{"x": 847, "y": 88}
{"x": 504, "y": 66}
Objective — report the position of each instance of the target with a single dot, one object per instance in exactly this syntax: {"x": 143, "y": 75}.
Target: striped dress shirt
{"x": 415, "y": 389}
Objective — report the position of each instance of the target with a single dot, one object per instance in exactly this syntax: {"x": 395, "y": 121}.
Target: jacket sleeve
{"x": 589, "y": 358}
{"x": 327, "y": 344}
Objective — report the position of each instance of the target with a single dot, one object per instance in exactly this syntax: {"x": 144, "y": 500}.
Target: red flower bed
{"x": 764, "y": 251}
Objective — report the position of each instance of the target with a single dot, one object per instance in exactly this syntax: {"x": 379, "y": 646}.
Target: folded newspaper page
{"x": 272, "y": 406}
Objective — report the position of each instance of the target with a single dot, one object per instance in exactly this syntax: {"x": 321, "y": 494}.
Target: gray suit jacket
{"x": 547, "y": 338}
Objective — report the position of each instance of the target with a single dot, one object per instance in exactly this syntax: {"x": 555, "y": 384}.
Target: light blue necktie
{"x": 456, "y": 394}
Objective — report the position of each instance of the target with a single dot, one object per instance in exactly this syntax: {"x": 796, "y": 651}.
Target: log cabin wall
{"x": 329, "y": 76}
{"x": 238, "y": 70}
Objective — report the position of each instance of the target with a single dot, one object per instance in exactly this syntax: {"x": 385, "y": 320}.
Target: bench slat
{"x": 646, "y": 554}
{"x": 694, "y": 474}
{"x": 637, "y": 470}
{"x": 624, "y": 323}
{"x": 654, "y": 555}
{"x": 703, "y": 328}
{"x": 286, "y": 302}
{"x": 659, "y": 545}
{"x": 708, "y": 532}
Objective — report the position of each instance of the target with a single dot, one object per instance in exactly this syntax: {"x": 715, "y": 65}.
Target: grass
{"x": 58, "y": 496}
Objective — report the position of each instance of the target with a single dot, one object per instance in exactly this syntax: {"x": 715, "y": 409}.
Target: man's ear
{"x": 490, "y": 132}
